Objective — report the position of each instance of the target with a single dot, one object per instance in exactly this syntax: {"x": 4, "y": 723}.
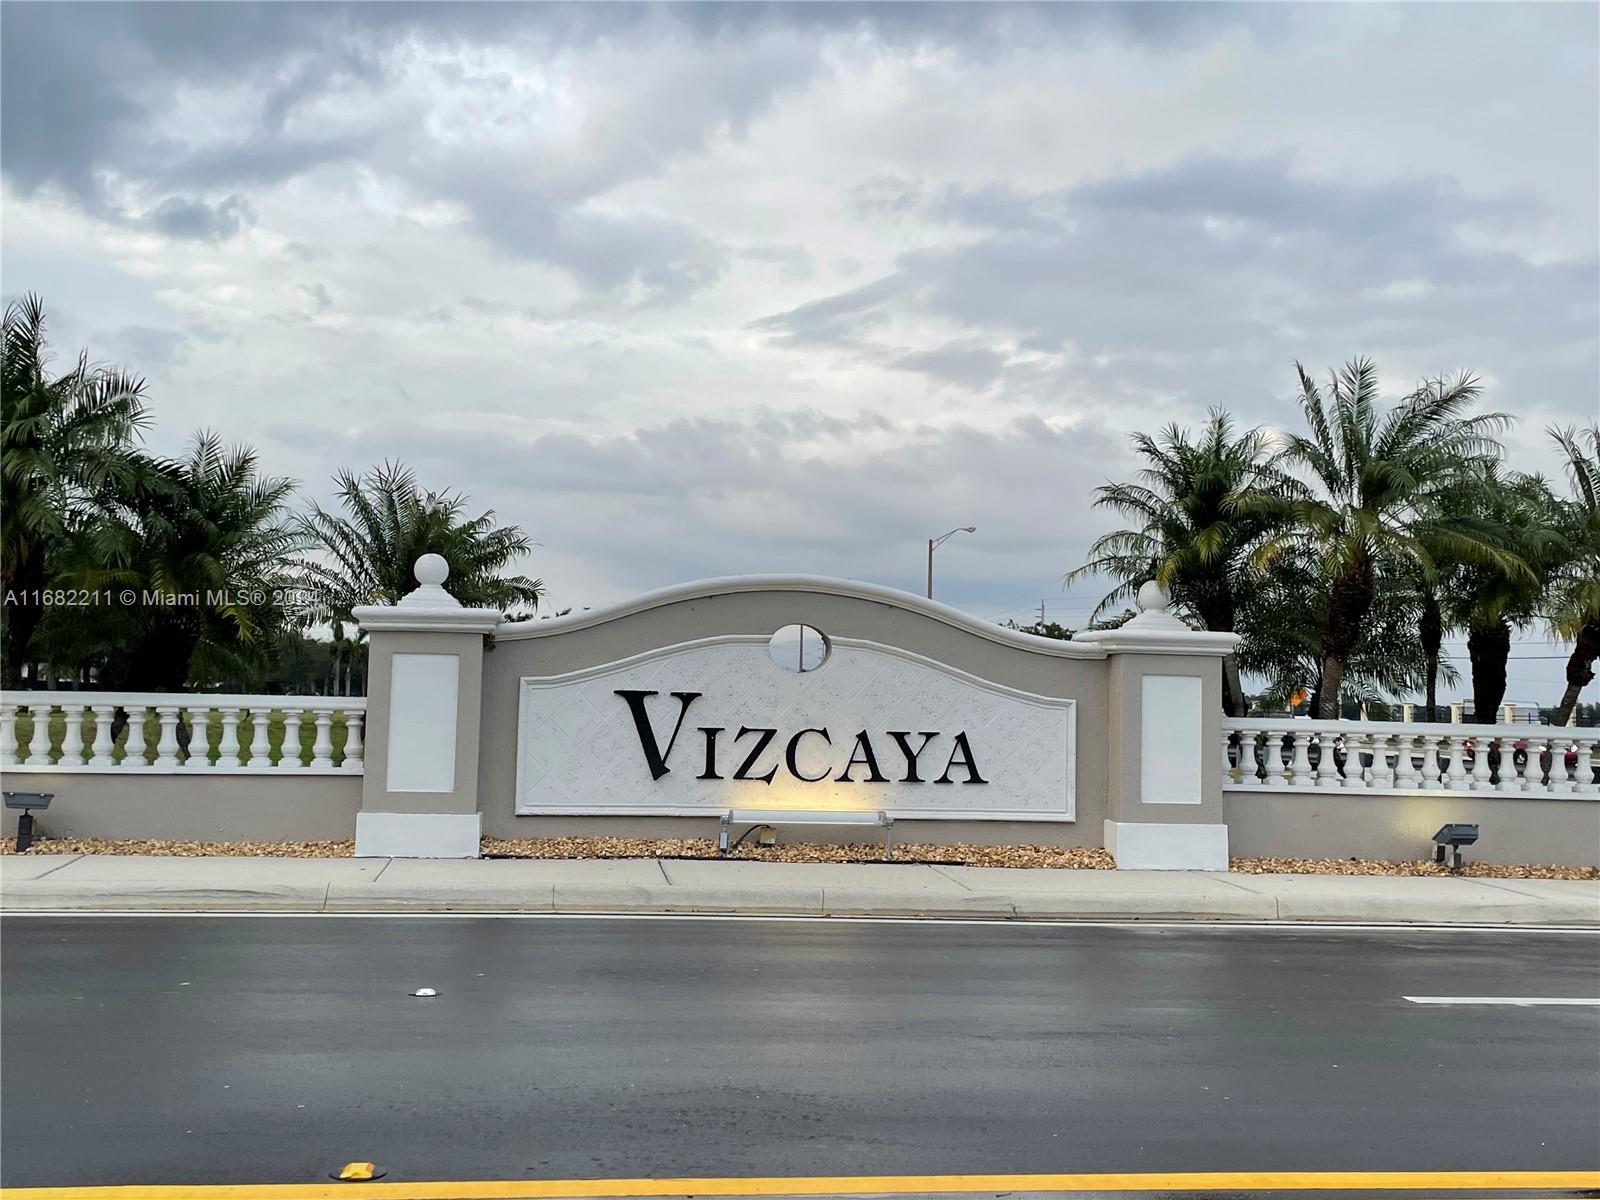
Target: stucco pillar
{"x": 419, "y": 794}
{"x": 1164, "y": 727}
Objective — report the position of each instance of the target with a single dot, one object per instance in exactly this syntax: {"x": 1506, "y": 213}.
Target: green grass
{"x": 152, "y": 736}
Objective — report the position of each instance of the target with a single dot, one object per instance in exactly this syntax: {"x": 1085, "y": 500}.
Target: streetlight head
{"x": 969, "y": 529}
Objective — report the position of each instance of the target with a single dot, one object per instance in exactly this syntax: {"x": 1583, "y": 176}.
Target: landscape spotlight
{"x": 27, "y": 801}
{"x": 1454, "y": 837}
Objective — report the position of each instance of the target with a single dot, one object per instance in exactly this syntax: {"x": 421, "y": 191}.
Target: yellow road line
{"x": 834, "y": 1185}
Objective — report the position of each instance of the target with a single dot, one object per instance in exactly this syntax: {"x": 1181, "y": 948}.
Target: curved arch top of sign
{"x": 816, "y": 584}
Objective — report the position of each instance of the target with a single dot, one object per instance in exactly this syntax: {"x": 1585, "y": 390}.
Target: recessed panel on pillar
{"x": 423, "y": 696}
{"x": 1171, "y": 725}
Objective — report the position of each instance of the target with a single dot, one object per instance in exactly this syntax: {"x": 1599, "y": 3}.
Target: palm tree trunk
{"x": 1348, "y": 605}
{"x": 1326, "y": 705}
{"x": 1489, "y": 648}
{"x": 1233, "y": 699}
{"x": 1580, "y": 669}
{"x": 21, "y": 619}
{"x": 1431, "y": 631}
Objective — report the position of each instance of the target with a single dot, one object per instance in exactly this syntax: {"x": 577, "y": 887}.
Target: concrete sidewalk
{"x": 111, "y": 882}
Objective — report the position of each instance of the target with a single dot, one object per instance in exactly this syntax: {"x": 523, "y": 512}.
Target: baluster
{"x": 133, "y": 747}
{"x": 1354, "y": 743}
{"x": 1248, "y": 764}
{"x": 1300, "y": 764}
{"x": 1533, "y": 769}
{"x": 167, "y": 746}
{"x": 199, "y": 736}
{"x": 352, "y": 741}
{"x": 1430, "y": 761}
{"x": 1560, "y": 782}
{"x": 1482, "y": 780}
{"x": 1273, "y": 750}
{"x": 1405, "y": 770}
{"x": 1455, "y": 775}
{"x": 72, "y": 739}
{"x": 1510, "y": 780}
{"x": 1382, "y": 778}
{"x": 8, "y": 735}
{"x": 1328, "y": 763}
{"x": 289, "y": 754}
{"x": 1585, "y": 785}
{"x": 322, "y": 748}
{"x": 228, "y": 748}
{"x": 101, "y": 750}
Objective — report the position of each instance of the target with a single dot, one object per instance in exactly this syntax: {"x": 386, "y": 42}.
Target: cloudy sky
{"x": 704, "y": 290}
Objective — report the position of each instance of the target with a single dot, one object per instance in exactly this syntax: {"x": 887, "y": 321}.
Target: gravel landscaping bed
{"x": 1057, "y": 857}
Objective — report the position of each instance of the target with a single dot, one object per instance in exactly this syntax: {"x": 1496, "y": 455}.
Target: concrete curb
{"x": 130, "y": 884}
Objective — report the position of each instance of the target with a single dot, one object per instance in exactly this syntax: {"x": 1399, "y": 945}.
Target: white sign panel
{"x": 708, "y": 726}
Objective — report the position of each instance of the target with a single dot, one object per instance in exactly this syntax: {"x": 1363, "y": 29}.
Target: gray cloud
{"x": 965, "y": 364}
{"x": 179, "y": 217}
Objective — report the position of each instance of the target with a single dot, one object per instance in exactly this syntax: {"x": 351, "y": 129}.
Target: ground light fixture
{"x": 27, "y": 802}
{"x": 1451, "y": 838}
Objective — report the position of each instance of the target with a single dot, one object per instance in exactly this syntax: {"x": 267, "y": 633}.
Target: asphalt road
{"x": 220, "y": 1050}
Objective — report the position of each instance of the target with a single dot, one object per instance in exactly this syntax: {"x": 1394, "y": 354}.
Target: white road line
{"x": 1513, "y": 1001}
{"x": 1008, "y": 922}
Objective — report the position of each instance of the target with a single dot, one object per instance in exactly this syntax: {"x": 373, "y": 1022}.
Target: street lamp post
{"x": 935, "y": 543}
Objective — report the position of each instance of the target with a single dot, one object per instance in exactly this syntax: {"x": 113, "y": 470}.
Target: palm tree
{"x": 1573, "y": 608}
{"x": 1362, "y": 490}
{"x": 1192, "y": 534}
{"x": 64, "y": 440}
{"x": 369, "y": 555}
{"x": 212, "y": 539}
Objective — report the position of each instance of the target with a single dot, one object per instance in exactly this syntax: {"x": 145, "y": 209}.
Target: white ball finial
{"x": 1153, "y": 597}
{"x": 431, "y": 570}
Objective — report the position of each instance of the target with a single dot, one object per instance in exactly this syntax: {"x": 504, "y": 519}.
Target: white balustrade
{"x": 244, "y": 743}
{"x": 1392, "y": 756}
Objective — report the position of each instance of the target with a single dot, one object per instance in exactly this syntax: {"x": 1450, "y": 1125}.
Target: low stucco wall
{"x": 1515, "y": 830}
{"x": 279, "y": 806}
